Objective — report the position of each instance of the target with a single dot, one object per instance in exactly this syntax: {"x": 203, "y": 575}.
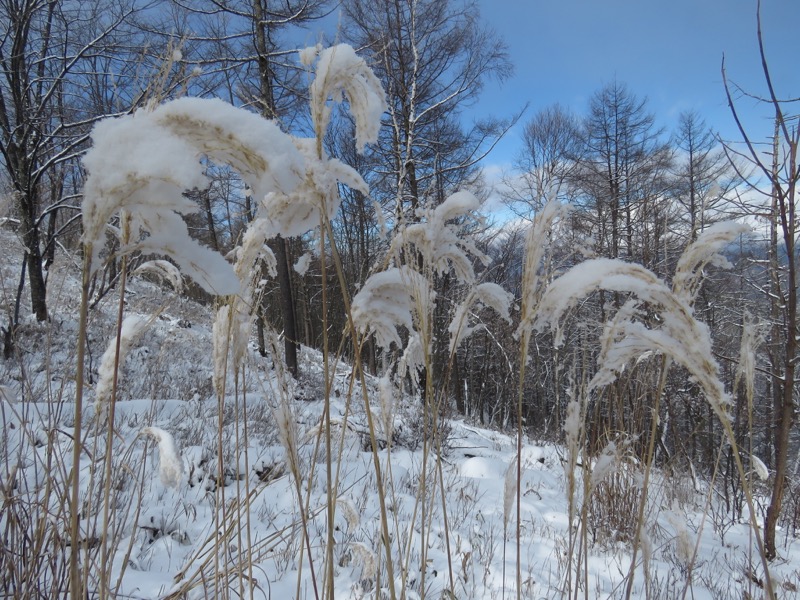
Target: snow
{"x": 170, "y": 470}
{"x": 244, "y": 509}
{"x": 301, "y": 264}
{"x": 439, "y": 241}
{"x": 341, "y": 74}
{"x": 175, "y": 531}
{"x": 390, "y": 299}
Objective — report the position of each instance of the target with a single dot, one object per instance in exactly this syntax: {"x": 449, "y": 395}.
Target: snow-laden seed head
{"x": 752, "y": 338}
{"x": 486, "y": 294}
{"x": 681, "y": 337}
{"x": 349, "y": 512}
{"x": 361, "y": 554}
{"x": 253, "y": 250}
{"x": 604, "y": 465}
{"x": 301, "y": 264}
{"x": 132, "y": 326}
{"x": 759, "y": 468}
{"x": 287, "y": 433}
{"x": 413, "y": 358}
{"x": 704, "y": 251}
{"x": 170, "y": 469}
{"x": 233, "y": 322}
{"x": 509, "y": 491}
{"x": 142, "y": 163}
{"x": 535, "y": 267}
{"x": 572, "y": 425}
{"x": 439, "y": 242}
{"x": 341, "y": 74}
{"x": 684, "y": 544}
{"x": 391, "y": 298}
{"x": 386, "y": 399}
{"x": 296, "y": 212}
{"x": 163, "y": 269}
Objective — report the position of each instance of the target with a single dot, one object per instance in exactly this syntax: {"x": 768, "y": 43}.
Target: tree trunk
{"x": 30, "y": 237}
{"x": 784, "y": 410}
{"x": 287, "y": 306}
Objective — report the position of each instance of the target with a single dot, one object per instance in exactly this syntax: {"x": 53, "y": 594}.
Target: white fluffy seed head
{"x": 681, "y": 337}
{"x": 704, "y": 251}
{"x": 163, "y": 269}
{"x": 535, "y": 269}
{"x": 349, "y": 513}
{"x": 170, "y": 470}
{"x": 489, "y": 295}
{"x": 364, "y": 556}
{"x": 386, "y": 399}
{"x": 439, "y": 241}
{"x": 390, "y": 299}
{"x": 132, "y": 326}
{"x": 143, "y": 163}
{"x": 604, "y": 465}
{"x": 759, "y": 468}
{"x": 572, "y": 425}
{"x": 341, "y": 74}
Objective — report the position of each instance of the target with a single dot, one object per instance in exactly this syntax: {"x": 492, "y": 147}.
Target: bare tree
{"x": 623, "y": 176}
{"x": 781, "y": 173}
{"x": 704, "y": 179}
{"x": 434, "y": 58}
{"x": 63, "y": 65}
{"x": 548, "y": 160}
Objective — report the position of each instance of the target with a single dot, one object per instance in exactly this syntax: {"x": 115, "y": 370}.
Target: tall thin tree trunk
{"x": 30, "y": 237}
{"x": 268, "y": 110}
{"x": 290, "y": 341}
{"x": 784, "y": 411}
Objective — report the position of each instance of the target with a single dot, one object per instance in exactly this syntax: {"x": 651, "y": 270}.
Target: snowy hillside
{"x": 208, "y": 501}
{"x": 150, "y": 450}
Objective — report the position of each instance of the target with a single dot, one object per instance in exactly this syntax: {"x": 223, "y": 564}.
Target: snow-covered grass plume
{"x": 389, "y": 299}
{"x": 131, "y": 327}
{"x": 342, "y": 75}
{"x": 142, "y": 163}
{"x": 170, "y": 468}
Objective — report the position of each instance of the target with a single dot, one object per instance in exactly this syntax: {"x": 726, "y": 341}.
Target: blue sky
{"x": 669, "y": 51}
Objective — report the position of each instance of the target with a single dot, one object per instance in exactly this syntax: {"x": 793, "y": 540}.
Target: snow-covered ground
{"x": 177, "y": 519}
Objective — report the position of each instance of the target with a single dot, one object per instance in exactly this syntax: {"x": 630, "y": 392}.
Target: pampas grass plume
{"x": 170, "y": 470}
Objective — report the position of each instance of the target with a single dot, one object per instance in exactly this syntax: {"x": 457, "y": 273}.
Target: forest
{"x": 267, "y": 266}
